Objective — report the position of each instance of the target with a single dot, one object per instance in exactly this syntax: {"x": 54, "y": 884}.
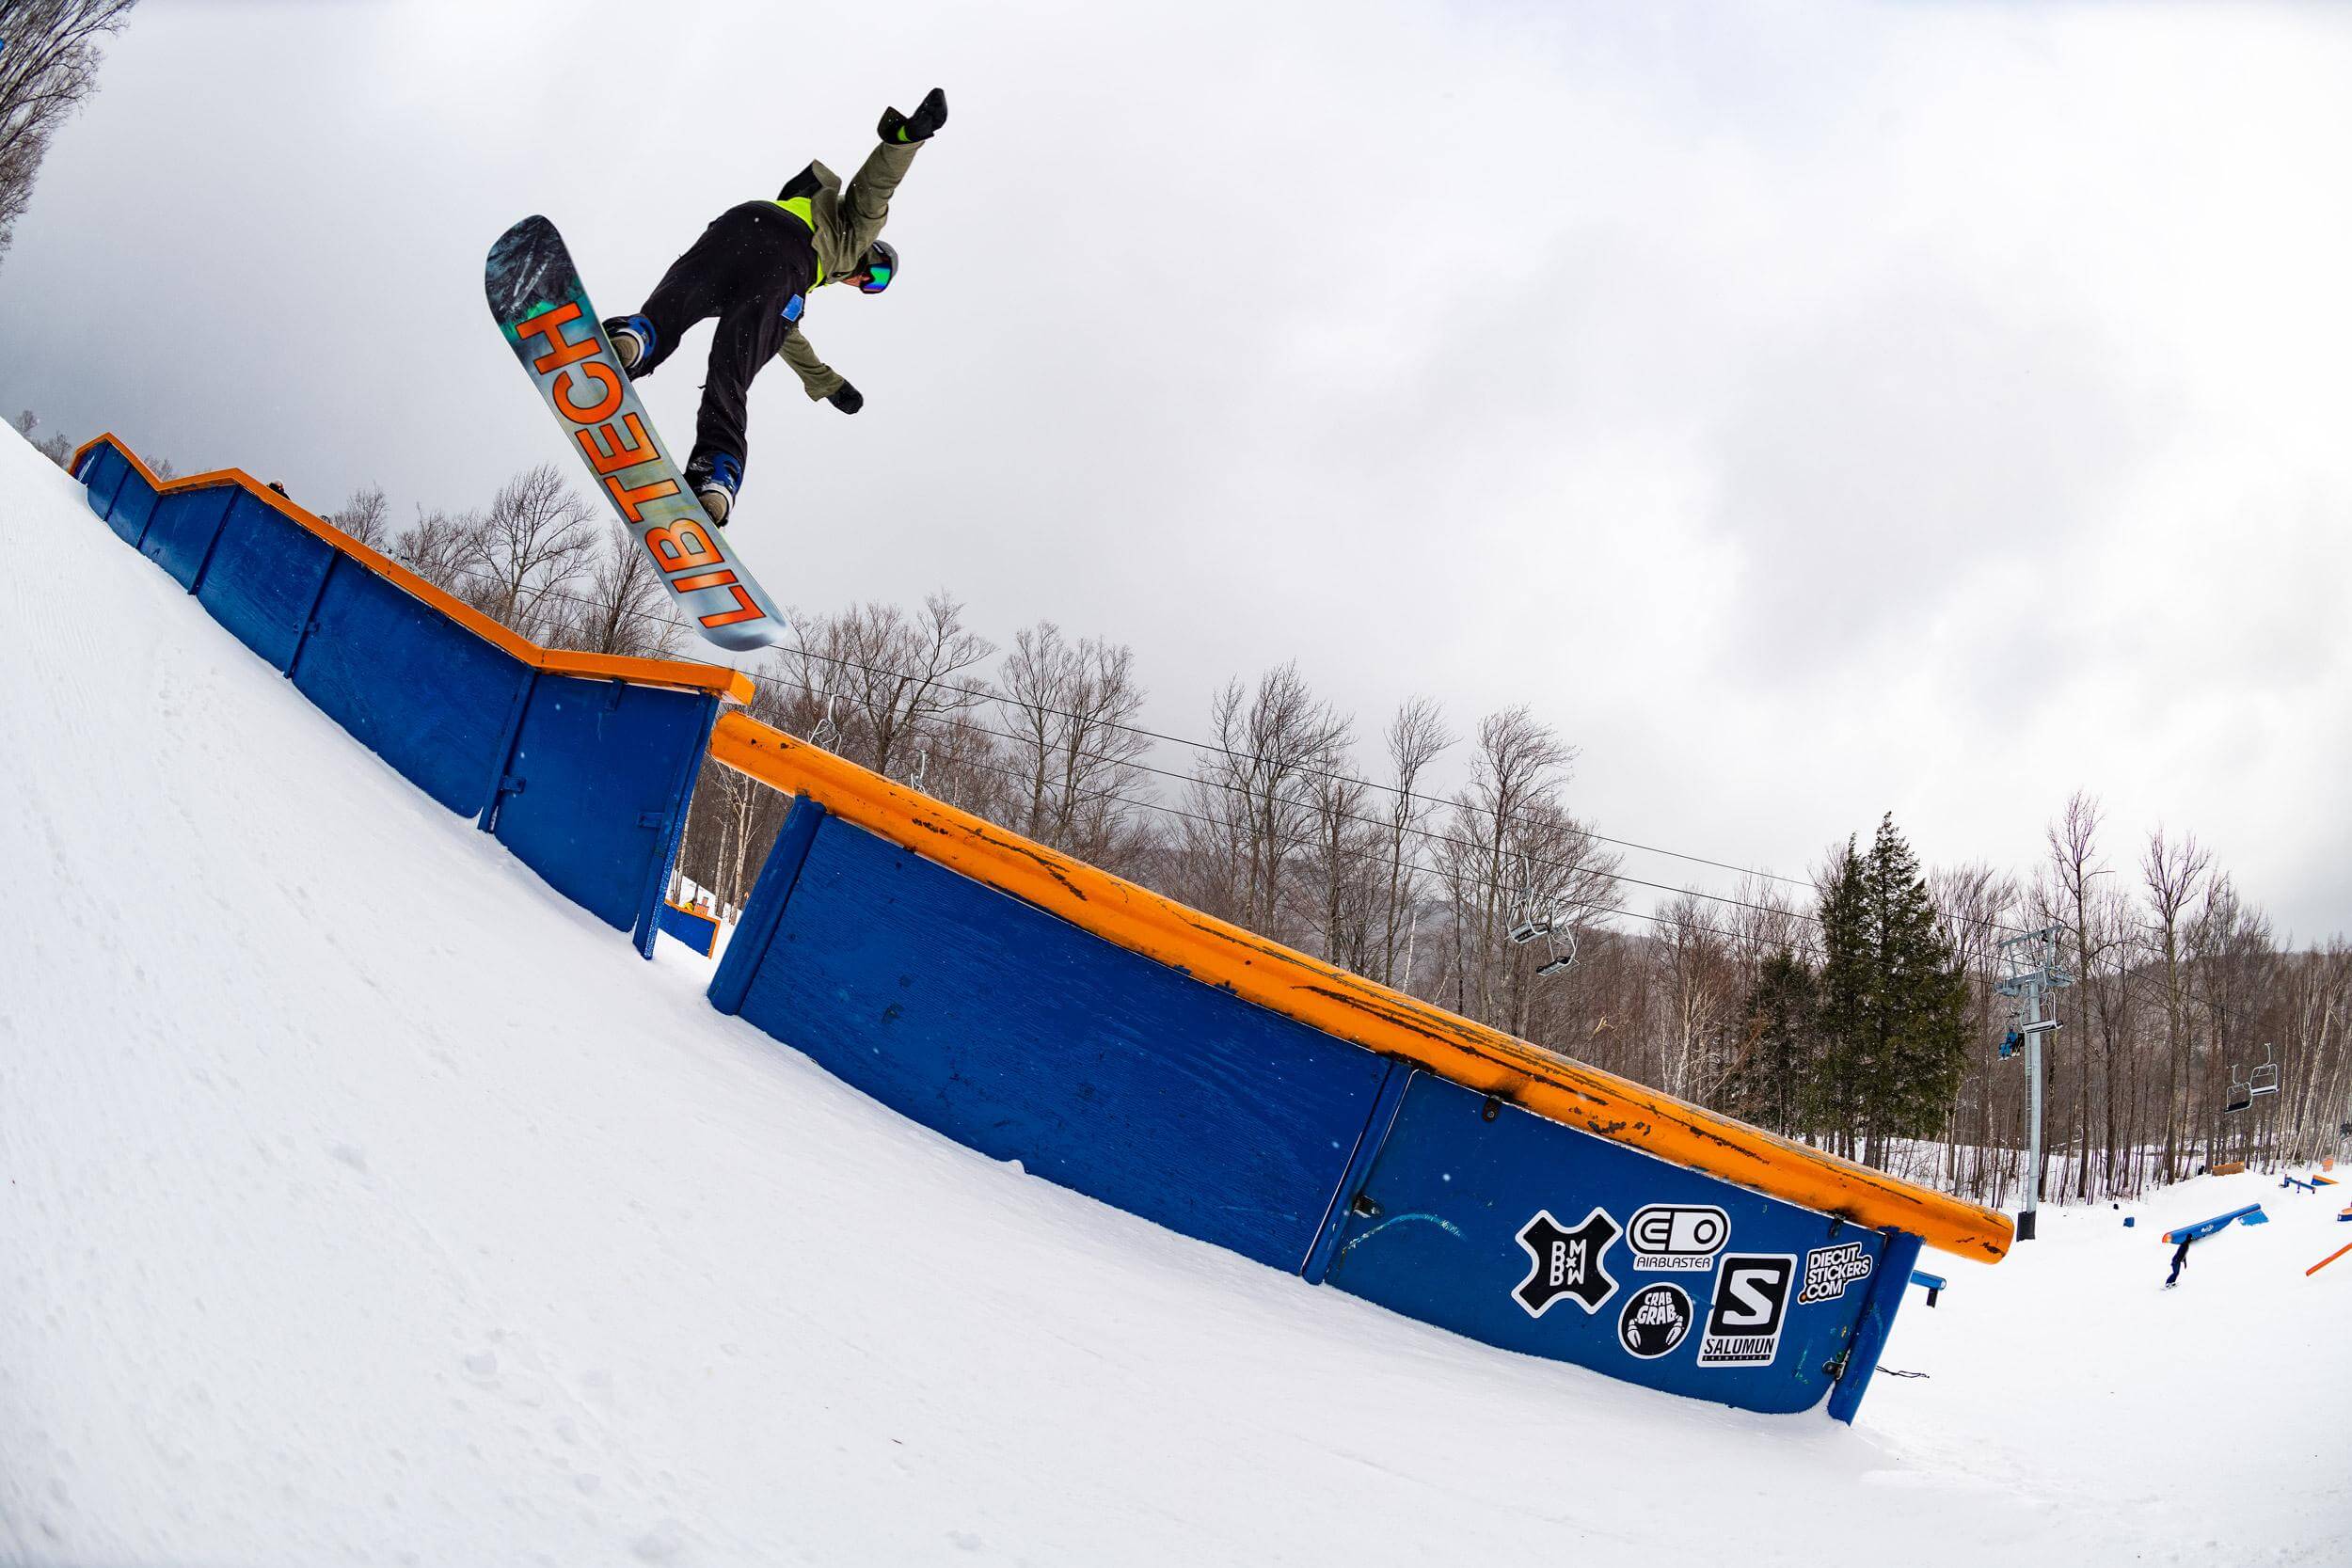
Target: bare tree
{"x": 1070, "y": 709}
{"x": 1511, "y": 847}
{"x": 887, "y": 677}
{"x": 517, "y": 562}
{"x": 2174, "y": 874}
{"x": 618, "y": 606}
{"x": 1415, "y": 738}
{"x": 49, "y": 67}
{"x": 435, "y": 547}
{"x": 367, "y": 517}
{"x": 1249, "y": 806}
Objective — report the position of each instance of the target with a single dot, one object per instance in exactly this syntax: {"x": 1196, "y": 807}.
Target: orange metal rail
{"x": 731, "y": 684}
{"x": 1352, "y": 1007}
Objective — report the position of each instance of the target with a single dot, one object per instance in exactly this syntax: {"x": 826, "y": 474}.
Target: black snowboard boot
{"x": 714, "y": 480}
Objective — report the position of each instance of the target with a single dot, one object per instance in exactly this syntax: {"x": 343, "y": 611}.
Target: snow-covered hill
{"x": 367, "y": 1203}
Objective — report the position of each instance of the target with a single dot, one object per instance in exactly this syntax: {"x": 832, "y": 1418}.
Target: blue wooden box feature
{"x": 1026, "y": 1037}
{"x": 583, "y": 774}
{"x": 694, "y": 929}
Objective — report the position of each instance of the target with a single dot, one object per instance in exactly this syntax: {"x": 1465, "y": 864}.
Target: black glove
{"x": 848, "y": 398}
{"x": 928, "y": 116}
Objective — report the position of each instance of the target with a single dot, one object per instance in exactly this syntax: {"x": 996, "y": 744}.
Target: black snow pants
{"x": 747, "y": 269}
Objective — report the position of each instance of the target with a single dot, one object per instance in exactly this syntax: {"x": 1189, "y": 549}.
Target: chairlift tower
{"x": 2030, "y": 968}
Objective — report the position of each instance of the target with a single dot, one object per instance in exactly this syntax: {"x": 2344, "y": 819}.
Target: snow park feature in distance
{"x": 361, "y": 1203}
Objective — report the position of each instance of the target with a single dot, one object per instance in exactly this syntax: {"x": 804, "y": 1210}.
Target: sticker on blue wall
{"x": 1677, "y": 1238}
{"x": 1566, "y": 1262}
{"x": 1655, "y": 1320}
{"x": 1750, "y": 1309}
{"x": 1829, "y": 1270}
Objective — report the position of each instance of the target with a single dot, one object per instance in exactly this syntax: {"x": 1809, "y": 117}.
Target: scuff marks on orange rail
{"x": 1350, "y": 1008}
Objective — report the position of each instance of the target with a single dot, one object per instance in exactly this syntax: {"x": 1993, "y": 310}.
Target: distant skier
{"x": 754, "y": 268}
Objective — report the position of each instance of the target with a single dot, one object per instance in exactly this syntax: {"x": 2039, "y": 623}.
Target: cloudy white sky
{"x": 1811, "y": 410}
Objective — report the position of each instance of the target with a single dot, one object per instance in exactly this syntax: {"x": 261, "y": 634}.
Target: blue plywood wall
{"x": 1019, "y": 1035}
{"x": 585, "y": 781}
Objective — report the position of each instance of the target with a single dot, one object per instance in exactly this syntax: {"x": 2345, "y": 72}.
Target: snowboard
{"x": 536, "y": 296}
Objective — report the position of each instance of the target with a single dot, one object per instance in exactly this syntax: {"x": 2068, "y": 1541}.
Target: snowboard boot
{"x": 632, "y": 339}
{"x": 714, "y": 480}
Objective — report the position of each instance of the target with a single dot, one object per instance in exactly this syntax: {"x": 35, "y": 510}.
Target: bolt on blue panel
{"x": 421, "y": 691}
{"x": 134, "y": 507}
{"x": 1024, "y": 1038}
{"x": 263, "y": 575}
{"x": 1520, "y": 1232}
{"x": 592, "y": 794}
{"x": 179, "y": 535}
{"x": 101, "y": 474}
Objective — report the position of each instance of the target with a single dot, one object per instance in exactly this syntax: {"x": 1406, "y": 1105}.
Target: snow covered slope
{"x": 367, "y": 1203}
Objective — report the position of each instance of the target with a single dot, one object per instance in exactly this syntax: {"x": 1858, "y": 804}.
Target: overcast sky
{"x": 1810, "y": 410}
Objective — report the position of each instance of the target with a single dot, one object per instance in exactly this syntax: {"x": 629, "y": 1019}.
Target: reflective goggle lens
{"x": 878, "y": 279}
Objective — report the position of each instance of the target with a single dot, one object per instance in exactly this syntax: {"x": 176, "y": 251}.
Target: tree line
{"x": 1857, "y": 1007}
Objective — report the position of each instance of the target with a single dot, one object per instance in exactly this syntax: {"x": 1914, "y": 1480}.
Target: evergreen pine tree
{"x": 1894, "y": 1004}
{"x": 1774, "y": 1083}
{"x": 1921, "y": 1047}
{"x": 1847, "y": 994}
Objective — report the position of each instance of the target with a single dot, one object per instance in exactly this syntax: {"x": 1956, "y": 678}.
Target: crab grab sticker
{"x": 1566, "y": 1262}
{"x": 1654, "y": 1319}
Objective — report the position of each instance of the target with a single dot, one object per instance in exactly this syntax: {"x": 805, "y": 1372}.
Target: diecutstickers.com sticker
{"x": 1830, "y": 1269}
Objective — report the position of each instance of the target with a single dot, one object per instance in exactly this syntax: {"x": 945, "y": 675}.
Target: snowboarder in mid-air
{"x": 753, "y": 269}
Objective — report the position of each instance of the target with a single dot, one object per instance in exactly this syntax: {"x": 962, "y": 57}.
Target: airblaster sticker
{"x": 1677, "y": 1238}
{"x": 1566, "y": 1262}
{"x": 1830, "y": 1269}
{"x": 1750, "y": 1306}
{"x": 1654, "y": 1319}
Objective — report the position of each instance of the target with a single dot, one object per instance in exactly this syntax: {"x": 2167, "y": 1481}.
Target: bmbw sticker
{"x": 1566, "y": 1262}
{"x": 1750, "y": 1309}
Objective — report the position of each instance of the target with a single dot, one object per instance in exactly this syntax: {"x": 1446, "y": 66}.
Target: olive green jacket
{"x": 844, "y": 224}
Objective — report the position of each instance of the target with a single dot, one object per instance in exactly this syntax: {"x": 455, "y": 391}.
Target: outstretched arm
{"x": 871, "y": 187}
{"x": 822, "y": 382}
{"x": 815, "y": 375}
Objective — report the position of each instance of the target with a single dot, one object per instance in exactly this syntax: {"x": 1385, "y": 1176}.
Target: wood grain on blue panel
{"x": 1018, "y": 1034}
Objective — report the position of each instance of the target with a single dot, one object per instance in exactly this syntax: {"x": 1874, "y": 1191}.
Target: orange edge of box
{"x": 732, "y": 686}
{"x": 1350, "y": 1008}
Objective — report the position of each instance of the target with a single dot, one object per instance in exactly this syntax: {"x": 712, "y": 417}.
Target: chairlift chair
{"x": 2241, "y": 1094}
{"x": 1544, "y": 921}
{"x": 1562, "y": 943}
{"x": 1532, "y": 922}
{"x": 2264, "y": 1079}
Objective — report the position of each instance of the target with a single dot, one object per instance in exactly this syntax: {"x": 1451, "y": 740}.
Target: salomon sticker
{"x": 1751, "y": 1305}
{"x": 1654, "y": 1321}
{"x": 1677, "y": 1238}
{"x": 1829, "y": 1270}
{"x": 1566, "y": 1262}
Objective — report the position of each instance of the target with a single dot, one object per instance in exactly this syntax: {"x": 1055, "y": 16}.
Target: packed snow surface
{"x": 368, "y": 1203}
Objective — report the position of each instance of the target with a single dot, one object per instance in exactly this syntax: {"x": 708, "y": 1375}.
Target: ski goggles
{"x": 877, "y": 279}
